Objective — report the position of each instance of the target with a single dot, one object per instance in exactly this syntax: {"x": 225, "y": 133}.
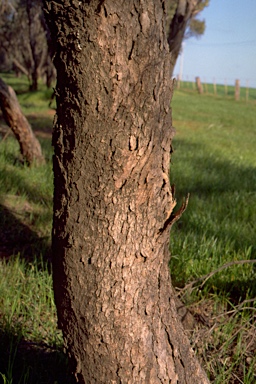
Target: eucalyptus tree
{"x": 113, "y": 202}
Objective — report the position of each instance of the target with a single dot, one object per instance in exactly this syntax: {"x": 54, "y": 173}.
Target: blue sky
{"x": 227, "y": 50}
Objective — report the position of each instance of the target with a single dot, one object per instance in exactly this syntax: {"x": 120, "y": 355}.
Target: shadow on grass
{"x": 31, "y": 363}
{"x": 214, "y": 175}
{"x": 18, "y": 238}
{"x": 220, "y": 221}
{"x": 237, "y": 290}
{"x": 22, "y": 361}
{"x": 10, "y": 179}
{"x": 222, "y": 194}
{"x": 42, "y": 123}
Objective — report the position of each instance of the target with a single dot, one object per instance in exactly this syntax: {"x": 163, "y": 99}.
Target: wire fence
{"x": 224, "y": 90}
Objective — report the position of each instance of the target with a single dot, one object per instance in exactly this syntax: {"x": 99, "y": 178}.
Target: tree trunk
{"x": 39, "y": 52}
{"x": 112, "y": 199}
{"x": 19, "y": 68}
{"x": 178, "y": 27}
{"x": 29, "y": 145}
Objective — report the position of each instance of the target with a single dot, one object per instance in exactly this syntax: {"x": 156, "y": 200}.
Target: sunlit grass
{"x": 214, "y": 161}
{"x": 31, "y": 346}
{"x": 36, "y": 101}
{"x": 30, "y": 343}
{"x": 27, "y": 300}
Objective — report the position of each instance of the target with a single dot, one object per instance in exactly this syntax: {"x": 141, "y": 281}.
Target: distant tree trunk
{"x": 19, "y": 68}
{"x": 113, "y": 201}
{"x": 29, "y": 145}
{"x": 237, "y": 89}
{"x": 183, "y": 13}
{"x": 39, "y": 52}
{"x": 50, "y": 73}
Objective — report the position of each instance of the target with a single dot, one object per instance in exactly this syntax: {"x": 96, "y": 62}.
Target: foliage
{"x": 196, "y": 28}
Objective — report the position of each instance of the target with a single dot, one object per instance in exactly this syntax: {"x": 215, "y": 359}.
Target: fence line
{"x": 221, "y": 89}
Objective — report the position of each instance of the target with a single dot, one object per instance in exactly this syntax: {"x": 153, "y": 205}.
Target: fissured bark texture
{"x": 112, "y": 199}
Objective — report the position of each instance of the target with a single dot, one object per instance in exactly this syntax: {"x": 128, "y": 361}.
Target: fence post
{"x": 226, "y": 87}
{"x": 214, "y": 86}
{"x": 237, "y": 90}
{"x": 178, "y": 82}
{"x": 247, "y": 91}
{"x": 199, "y": 85}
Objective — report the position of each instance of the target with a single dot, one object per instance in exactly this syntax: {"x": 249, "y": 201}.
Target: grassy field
{"x": 214, "y": 162}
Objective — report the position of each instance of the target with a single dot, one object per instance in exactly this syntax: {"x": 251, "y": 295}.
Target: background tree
{"x": 113, "y": 203}
{"x": 29, "y": 145}
{"x": 182, "y": 22}
{"x": 23, "y": 40}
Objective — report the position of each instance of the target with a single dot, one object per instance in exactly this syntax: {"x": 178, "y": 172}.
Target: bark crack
{"x": 174, "y": 216}
{"x": 131, "y": 51}
{"x": 174, "y": 355}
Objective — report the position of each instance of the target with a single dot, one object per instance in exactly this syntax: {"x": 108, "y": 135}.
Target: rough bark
{"x": 113, "y": 204}
{"x": 29, "y": 145}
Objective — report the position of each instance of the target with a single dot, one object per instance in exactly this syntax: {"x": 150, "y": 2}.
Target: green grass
{"x": 31, "y": 346}
{"x": 214, "y": 161}
{"x": 25, "y": 202}
{"x": 36, "y": 101}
